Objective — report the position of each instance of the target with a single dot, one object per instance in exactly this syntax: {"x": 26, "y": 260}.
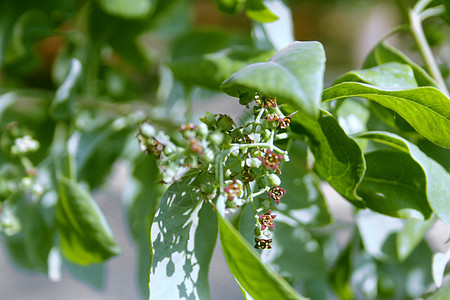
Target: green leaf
{"x": 303, "y": 201}
{"x": 338, "y": 158}
{"x": 295, "y": 252}
{"x": 384, "y": 53}
{"x": 294, "y": 75}
{"x": 130, "y": 9}
{"x": 436, "y": 177}
{"x": 441, "y": 294}
{"x": 93, "y": 274}
{"x": 340, "y": 275}
{"x": 211, "y": 69}
{"x": 378, "y": 234}
{"x": 390, "y": 239}
{"x": 426, "y": 109}
{"x": 394, "y": 184}
{"x": 274, "y": 35}
{"x": 85, "y": 237}
{"x": 183, "y": 235}
{"x": 411, "y": 235}
{"x": 38, "y": 235}
{"x": 247, "y": 268}
{"x": 408, "y": 279}
{"x": 97, "y": 151}
{"x": 141, "y": 200}
{"x": 440, "y": 260}
{"x": 257, "y": 11}
{"x": 62, "y": 106}
{"x": 230, "y": 6}
{"x": 388, "y": 75}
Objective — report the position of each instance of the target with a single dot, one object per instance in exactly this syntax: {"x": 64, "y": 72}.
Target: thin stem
{"x": 425, "y": 50}
{"x": 420, "y": 6}
{"x": 263, "y": 145}
{"x": 432, "y": 12}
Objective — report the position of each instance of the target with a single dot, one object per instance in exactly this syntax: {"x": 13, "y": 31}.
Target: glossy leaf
{"x": 130, "y": 9}
{"x": 85, "y": 237}
{"x": 426, "y": 109}
{"x": 257, "y": 10}
{"x": 247, "y": 268}
{"x": 388, "y": 75}
{"x": 183, "y": 235}
{"x": 437, "y": 178}
{"x": 385, "y": 53}
{"x": 338, "y": 158}
{"x": 394, "y": 184}
{"x": 230, "y": 6}
{"x": 294, "y": 75}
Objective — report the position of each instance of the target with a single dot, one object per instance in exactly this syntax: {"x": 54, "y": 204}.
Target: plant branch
{"x": 425, "y": 50}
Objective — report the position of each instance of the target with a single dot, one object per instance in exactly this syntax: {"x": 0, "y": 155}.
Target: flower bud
{"x": 203, "y": 130}
{"x": 216, "y": 138}
{"x": 274, "y": 180}
{"x": 148, "y": 130}
{"x": 208, "y": 155}
{"x": 27, "y": 182}
{"x": 253, "y": 162}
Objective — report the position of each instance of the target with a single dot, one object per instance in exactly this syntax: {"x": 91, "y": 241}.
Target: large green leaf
{"x": 183, "y": 235}
{"x": 294, "y": 75}
{"x": 394, "y": 184}
{"x": 384, "y": 53}
{"x": 388, "y": 75}
{"x": 130, "y": 9}
{"x": 426, "y": 109}
{"x": 436, "y": 177}
{"x": 256, "y": 278}
{"x": 338, "y": 158}
{"x": 85, "y": 237}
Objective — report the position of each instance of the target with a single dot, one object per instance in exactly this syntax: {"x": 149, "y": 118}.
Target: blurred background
{"x": 38, "y": 37}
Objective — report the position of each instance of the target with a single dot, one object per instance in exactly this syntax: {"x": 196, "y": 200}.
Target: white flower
{"x": 24, "y": 144}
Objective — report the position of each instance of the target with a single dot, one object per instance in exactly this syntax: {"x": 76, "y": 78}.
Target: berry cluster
{"x": 243, "y": 161}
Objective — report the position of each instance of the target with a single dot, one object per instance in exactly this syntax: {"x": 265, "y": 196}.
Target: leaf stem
{"x": 424, "y": 48}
